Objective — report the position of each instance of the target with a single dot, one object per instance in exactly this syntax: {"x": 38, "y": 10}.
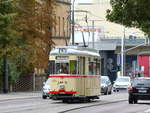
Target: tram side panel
{"x": 80, "y": 86}
{"x": 92, "y": 87}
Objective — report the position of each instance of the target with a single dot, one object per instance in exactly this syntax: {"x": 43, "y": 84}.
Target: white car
{"x": 46, "y": 89}
{"x": 121, "y": 83}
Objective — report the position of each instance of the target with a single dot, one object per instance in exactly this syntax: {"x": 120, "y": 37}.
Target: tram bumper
{"x": 61, "y": 94}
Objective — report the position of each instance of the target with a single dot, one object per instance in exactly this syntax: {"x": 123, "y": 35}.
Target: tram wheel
{"x": 64, "y": 100}
{"x": 84, "y": 100}
{"x": 44, "y": 97}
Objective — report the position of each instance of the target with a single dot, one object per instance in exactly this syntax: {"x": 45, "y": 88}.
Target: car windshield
{"x": 103, "y": 80}
{"x": 144, "y": 82}
{"x": 122, "y": 80}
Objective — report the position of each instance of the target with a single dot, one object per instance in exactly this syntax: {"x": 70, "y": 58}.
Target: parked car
{"x": 121, "y": 83}
{"x": 46, "y": 89}
{"x": 106, "y": 86}
{"x": 139, "y": 90}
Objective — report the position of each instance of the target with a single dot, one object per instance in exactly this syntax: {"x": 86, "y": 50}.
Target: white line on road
{"x": 147, "y": 111}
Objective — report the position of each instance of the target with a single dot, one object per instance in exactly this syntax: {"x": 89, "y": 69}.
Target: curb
{"x": 17, "y": 98}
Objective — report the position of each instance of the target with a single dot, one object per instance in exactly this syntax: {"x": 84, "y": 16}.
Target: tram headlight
{"x": 62, "y": 86}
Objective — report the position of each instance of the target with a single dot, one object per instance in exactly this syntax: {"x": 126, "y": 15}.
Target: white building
{"x": 95, "y": 10}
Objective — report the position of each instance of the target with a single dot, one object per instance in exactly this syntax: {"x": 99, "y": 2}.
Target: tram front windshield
{"x": 62, "y": 68}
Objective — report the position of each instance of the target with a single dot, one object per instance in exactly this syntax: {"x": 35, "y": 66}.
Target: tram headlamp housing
{"x": 62, "y": 86}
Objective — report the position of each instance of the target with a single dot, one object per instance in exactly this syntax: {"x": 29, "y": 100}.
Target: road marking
{"x": 147, "y": 111}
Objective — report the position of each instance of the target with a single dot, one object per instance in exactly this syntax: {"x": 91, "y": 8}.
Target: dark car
{"x": 139, "y": 90}
{"x": 106, "y": 86}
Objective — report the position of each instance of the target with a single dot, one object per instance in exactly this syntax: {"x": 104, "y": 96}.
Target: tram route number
{"x": 60, "y": 82}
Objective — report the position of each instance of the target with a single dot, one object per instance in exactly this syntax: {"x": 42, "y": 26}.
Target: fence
{"x": 28, "y": 82}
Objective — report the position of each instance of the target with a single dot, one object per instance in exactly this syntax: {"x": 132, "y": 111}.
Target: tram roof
{"x": 74, "y": 50}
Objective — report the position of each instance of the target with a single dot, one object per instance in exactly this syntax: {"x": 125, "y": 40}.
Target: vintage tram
{"x": 74, "y": 73}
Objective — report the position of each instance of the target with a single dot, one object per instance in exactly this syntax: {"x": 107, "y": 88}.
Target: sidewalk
{"x": 20, "y": 95}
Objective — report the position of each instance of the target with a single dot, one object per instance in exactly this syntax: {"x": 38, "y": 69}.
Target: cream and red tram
{"x": 74, "y": 73}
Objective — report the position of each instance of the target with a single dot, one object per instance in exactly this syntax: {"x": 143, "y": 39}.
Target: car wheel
{"x": 110, "y": 92}
{"x": 106, "y": 92}
{"x": 50, "y": 97}
{"x": 135, "y": 101}
{"x": 130, "y": 100}
{"x": 44, "y": 97}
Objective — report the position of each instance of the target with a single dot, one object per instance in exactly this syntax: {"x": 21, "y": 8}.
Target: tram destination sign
{"x": 61, "y": 57}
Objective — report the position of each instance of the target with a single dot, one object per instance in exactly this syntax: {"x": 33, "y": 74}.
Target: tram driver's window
{"x": 62, "y": 68}
{"x": 73, "y": 67}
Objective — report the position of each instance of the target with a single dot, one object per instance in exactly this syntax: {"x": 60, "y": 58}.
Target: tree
{"x": 36, "y": 18}
{"x": 131, "y": 13}
{"x": 25, "y": 36}
{"x": 9, "y": 36}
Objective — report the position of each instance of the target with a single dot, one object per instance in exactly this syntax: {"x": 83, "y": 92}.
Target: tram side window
{"x": 51, "y": 69}
{"x": 91, "y": 71}
{"x": 73, "y": 67}
{"x": 94, "y": 67}
{"x": 62, "y": 68}
{"x": 97, "y": 68}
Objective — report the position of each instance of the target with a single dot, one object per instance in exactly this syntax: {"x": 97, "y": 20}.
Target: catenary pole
{"x": 73, "y": 23}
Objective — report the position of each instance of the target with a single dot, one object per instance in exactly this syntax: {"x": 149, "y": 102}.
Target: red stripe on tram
{"x": 64, "y": 92}
{"x": 75, "y": 76}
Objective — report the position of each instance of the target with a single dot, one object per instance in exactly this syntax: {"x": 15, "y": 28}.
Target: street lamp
{"x": 73, "y": 22}
{"x": 122, "y": 53}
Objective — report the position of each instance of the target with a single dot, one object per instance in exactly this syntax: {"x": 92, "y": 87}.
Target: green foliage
{"x": 131, "y": 13}
{"x": 25, "y": 37}
{"x": 10, "y": 38}
{"x": 13, "y": 72}
{"x": 8, "y": 34}
{"x": 1, "y": 73}
{"x": 35, "y": 20}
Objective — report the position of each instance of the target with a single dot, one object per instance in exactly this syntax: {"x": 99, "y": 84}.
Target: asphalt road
{"x": 120, "y": 107}
{"x": 115, "y": 103}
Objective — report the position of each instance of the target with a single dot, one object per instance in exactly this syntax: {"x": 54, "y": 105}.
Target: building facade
{"x": 110, "y": 51}
{"x": 144, "y": 63}
{"x": 95, "y": 10}
{"x": 61, "y": 29}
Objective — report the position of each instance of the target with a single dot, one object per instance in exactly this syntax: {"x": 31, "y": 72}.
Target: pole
{"x": 122, "y": 54}
{"x": 73, "y": 22}
{"x": 34, "y": 81}
{"x": 5, "y": 74}
{"x": 93, "y": 33}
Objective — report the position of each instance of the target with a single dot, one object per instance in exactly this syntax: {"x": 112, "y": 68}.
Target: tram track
{"x": 98, "y": 104}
